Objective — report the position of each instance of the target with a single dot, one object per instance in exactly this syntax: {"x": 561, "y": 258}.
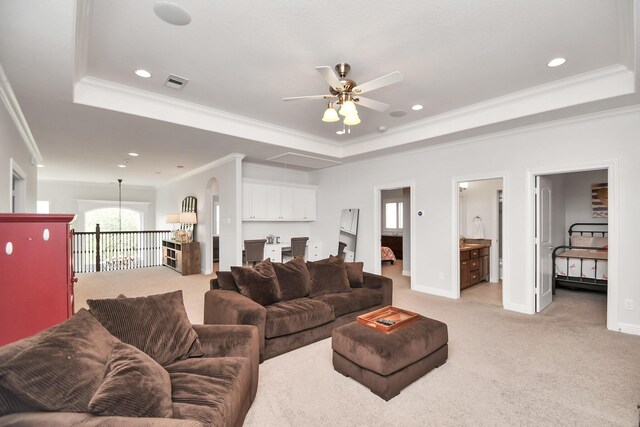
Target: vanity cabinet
{"x": 181, "y": 257}
{"x": 474, "y": 266}
{"x": 271, "y": 202}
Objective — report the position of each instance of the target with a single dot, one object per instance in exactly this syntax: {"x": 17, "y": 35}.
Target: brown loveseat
{"x": 299, "y": 314}
{"x": 176, "y": 374}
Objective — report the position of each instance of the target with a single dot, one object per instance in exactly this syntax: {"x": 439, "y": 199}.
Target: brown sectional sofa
{"x": 215, "y": 388}
{"x": 289, "y": 324}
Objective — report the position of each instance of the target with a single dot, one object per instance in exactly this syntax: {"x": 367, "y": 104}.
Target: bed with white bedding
{"x": 583, "y": 263}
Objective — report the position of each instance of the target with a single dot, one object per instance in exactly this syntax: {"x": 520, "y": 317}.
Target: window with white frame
{"x": 393, "y": 216}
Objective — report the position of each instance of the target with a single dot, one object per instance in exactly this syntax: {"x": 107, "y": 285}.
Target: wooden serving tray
{"x": 398, "y": 315}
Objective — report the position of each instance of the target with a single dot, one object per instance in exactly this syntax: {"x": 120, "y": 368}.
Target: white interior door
{"x": 544, "y": 245}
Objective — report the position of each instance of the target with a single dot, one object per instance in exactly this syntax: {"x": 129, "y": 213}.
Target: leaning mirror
{"x": 348, "y": 234}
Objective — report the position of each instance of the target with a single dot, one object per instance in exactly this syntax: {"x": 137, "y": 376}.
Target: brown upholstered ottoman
{"x": 387, "y": 363}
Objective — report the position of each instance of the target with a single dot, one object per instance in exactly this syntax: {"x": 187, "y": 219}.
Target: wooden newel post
{"x": 97, "y": 247}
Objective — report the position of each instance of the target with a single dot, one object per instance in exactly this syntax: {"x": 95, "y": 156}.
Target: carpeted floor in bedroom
{"x": 559, "y": 367}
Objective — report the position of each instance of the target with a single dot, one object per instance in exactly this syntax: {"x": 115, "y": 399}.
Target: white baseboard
{"x": 433, "y": 291}
{"x": 406, "y": 273}
{"x": 628, "y": 328}
{"x": 519, "y": 308}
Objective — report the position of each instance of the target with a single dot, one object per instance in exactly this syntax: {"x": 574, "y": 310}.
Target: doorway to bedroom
{"x": 395, "y": 233}
{"x": 572, "y": 240}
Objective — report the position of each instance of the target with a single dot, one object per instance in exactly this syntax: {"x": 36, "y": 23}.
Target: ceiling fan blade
{"x": 297, "y": 98}
{"x": 330, "y": 76}
{"x": 373, "y": 104}
{"x": 374, "y": 84}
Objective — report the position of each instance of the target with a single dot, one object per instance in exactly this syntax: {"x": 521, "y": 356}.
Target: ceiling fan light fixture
{"x": 352, "y": 119}
{"x": 330, "y": 115}
{"x": 348, "y": 108}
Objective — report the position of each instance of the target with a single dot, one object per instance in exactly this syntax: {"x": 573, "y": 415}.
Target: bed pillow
{"x": 63, "y": 367}
{"x": 259, "y": 283}
{"x": 581, "y": 242}
{"x": 355, "y": 274}
{"x": 294, "y": 279}
{"x": 600, "y": 242}
{"x": 328, "y": 276}
{"x": 156, "y": 324}
{"x": 134, "y": 386}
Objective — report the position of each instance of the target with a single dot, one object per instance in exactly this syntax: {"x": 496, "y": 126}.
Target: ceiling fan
{"x": 346, "y": 93}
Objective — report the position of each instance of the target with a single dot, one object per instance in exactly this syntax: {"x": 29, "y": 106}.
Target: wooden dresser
{"x": 474, "y": 264}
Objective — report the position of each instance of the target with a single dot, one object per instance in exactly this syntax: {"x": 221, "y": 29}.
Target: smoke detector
{"x": 176, "y": 82}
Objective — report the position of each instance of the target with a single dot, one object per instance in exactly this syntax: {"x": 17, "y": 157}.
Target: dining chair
{"x": 298, "y": 248}
{"x": 254, "y": 250}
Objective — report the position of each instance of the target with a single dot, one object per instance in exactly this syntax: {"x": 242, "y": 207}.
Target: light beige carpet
{"x": 560, "y": 367}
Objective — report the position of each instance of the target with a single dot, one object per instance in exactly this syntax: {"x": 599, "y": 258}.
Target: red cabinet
{"x": 36, "y": 273}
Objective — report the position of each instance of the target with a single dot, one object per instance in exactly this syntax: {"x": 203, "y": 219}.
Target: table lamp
{"x": 189, "y": 218}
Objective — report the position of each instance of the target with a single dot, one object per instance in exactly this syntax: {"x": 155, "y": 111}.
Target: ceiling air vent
{"x": 176, "y": 82}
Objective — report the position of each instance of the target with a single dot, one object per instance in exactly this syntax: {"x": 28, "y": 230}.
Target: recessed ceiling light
{"x": 40, "y": 165}
{"x": 556, "y": 62}
{"x": 142, "y": 73}
{"x": 417, "y": 107}
{"x": 134, "y": 154}
{"x": 340, "y": 132}
{"x": 122, "y": 166}
{"x": 172, "y": 13}
{"x": 382, "y": 129}
{"x": 398, "y": 113}
{"x": 180, "y": 166}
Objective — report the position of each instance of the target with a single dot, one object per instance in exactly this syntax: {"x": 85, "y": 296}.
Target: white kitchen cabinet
{"x": 254, "y": 202}
{"x": 314, "y": 250}
{"x": 272, "y": 202}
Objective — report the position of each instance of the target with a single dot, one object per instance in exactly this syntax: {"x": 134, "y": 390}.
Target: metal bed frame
{"x": 573, "y": 282}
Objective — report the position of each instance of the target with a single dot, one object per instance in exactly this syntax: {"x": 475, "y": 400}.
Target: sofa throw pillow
{"x": 259, "y": 283}
{"x": 328, "y": 276}
{"x": 63, "y": 368}
{"x": 355, "y": 274}
{"x": 157, "y": 324}
{"x": 294, "y": 279}
{"x": 226, "y": 281}
{"x": 134, "y": 386}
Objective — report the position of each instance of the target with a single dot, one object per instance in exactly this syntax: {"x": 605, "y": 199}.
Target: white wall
{"x": 13, "y": 148}
{"x": 567, "y": 144}
{"x": 577, "y": 192}
{"x": 228, "y": 174}
{"x": 80, "y": 197}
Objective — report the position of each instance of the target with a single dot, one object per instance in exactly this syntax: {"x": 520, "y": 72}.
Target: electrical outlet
{"x": 628, "y": 304}
{"x": 441, "y": 275}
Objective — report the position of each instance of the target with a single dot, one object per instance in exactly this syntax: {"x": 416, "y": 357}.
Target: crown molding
{"x": 228, "y": 158}
{"x": 599, "y": 115}
{"x": 597, "y": 85}
{"x": 117, "y": 97}
{"x": 15, "y": 112}
{"x": 83, "y": 12}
